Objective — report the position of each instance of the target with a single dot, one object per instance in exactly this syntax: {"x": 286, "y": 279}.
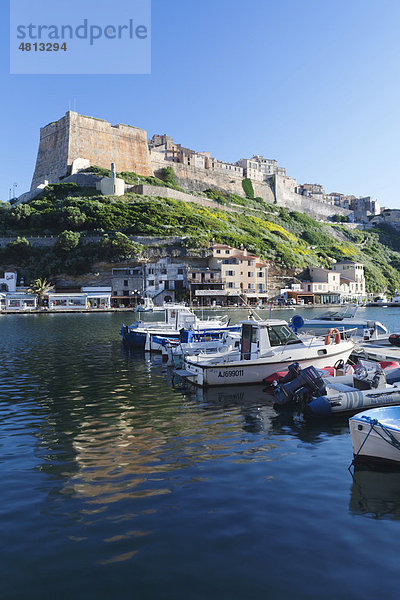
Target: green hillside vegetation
{"x": 289, "y": 239}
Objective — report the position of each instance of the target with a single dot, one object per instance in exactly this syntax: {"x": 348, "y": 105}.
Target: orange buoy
{"x": 332, "y": 332}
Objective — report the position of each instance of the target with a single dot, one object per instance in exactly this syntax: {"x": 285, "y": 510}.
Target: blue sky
{"x": 314, "y": 84}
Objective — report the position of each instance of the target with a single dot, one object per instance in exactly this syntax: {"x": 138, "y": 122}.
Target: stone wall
{"x": 164, "y": 192}
{"x": 76, "y": 136}
{"x": 195, "y": 179}
{"x": 313, "y": 208}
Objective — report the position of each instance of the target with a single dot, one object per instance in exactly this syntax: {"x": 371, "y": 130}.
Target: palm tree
{"x": 40, "y": 287}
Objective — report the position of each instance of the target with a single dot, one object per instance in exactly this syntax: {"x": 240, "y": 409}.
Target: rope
{"x": 392, "y": 440}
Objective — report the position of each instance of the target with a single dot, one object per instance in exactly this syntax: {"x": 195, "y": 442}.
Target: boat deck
{"x": 378, "y": 350}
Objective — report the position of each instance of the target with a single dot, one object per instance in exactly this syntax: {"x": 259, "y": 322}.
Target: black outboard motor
{"x": 293, "y": 372}
{"x": 308, "y": 383}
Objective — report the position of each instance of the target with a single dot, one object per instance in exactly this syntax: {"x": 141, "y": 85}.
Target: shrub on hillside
{"x": 248, "y": 187}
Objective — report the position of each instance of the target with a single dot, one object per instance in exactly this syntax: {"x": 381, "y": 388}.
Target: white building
{"x": 8, "y": 283}
{"x": 17, "y": 301}
{"x": 95, "y": 298}
{"x": 259, "y": 168}
{"x": 163, "y": 280}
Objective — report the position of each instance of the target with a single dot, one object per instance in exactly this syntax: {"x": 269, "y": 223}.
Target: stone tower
{"x": 95, "y": 141}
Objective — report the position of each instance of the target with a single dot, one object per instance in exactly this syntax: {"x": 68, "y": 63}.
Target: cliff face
{"x": 100, "y": 143}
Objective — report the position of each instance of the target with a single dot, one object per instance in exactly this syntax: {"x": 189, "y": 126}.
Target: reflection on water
{"x": 118, "y": 482}
{"x": 375, "y": 493}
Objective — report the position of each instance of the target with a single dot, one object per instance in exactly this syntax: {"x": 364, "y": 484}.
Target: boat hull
{"x": 373, "y": 439}
{"x": 248, "y": 372}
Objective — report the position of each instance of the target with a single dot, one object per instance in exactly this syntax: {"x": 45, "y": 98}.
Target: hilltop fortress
{"x": 75, "y": 142}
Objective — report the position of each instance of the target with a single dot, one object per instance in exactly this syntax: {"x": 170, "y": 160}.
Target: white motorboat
{"x": 265, "y": 347}
{"x": 147, "y": 306}
{"x": 375, "y": 435}
{"x": 344, "y": 320}
{"x": 219, "y": 341}
{"x": 177, "y": 317}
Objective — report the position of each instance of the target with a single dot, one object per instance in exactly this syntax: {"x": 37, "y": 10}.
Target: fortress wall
{"x": 194, "y": 179}
{"x": 102, "y": 143}
{"x": 314, "y": 208}
{"x": 76, "y": 136}
{"x": 52, "y": 157}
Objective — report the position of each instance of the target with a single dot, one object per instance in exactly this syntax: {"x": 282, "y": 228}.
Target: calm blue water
{"x": 118, "y": 483}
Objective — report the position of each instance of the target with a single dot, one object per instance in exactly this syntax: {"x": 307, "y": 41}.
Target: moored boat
{"x": 344, "y": 320}
{"x": 319, "y": 396}
{"x": 177, "y": 317}
{"x": 375, "y": 435}
{"x": 265, "y": 347}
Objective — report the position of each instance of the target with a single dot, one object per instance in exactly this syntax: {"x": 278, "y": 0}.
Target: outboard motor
{"x": 293, "y": 372}
{"x": 308, "y": 383}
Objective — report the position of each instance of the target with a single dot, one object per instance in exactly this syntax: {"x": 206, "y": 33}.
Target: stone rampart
{"x": 164, "y": 192}
{"x": 195, "y": 179}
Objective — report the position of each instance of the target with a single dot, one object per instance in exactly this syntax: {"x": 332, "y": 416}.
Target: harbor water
{"x": 119, "y": 481}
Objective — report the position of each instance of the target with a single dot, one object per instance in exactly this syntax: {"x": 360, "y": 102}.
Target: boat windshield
{"x": 338, "y": 315}
{"x": 281, "y": 335}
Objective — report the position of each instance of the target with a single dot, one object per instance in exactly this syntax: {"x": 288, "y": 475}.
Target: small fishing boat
{"x": 194, "y": 343}
{"x": 344, "y": 320}
{"x": 265, "y": 347}
{"x": 147, "y": 306}
{"x": 375, "y": 435}
{"x": 147, "y": 335}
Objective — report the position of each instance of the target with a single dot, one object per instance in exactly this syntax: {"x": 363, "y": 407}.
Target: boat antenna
{"x": 253, "y": 312}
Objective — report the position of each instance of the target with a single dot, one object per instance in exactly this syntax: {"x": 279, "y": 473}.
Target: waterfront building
{"x": 165, "y": 281}
{"x": 97, "y": 298}
{"x": 345, "y": 281}
{"x": 244, "y": 275}
{"x": 127, "y": 284}
{"x": 17, "y": 301}
{"x": 8, "y": 283}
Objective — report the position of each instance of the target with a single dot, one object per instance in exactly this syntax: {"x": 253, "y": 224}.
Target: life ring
{"x": 330, "y": 333}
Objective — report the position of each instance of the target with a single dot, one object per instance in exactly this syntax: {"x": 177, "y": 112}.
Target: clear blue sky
{"x": 314, "y": 84}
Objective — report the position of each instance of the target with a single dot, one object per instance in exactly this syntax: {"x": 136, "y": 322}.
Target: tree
{"x": 168, "y": 176}
{"x": 19, "y": 249}
{"x": 248, "y": 187}
{"x": 72, "y": 216}
{"x": 68, "y": 240}
{"x": 119, "y": 246}
{"x": 40, "y": 287}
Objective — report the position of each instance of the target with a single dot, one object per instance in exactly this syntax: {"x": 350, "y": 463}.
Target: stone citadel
{"x": 75, "y": 142}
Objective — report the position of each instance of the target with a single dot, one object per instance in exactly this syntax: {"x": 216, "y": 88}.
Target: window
{"x": 230, "y": 273}
{"x": 151, "y": 282}
{"x": 163, "y": 271}
{"x": 218, "y": 251}
{"x": 281, "y": 335}
{"x": 227, "y": 251}
{"x": 250, "y": 273}
{"x": 260, "y": 274}
{"x": 125, "y": 283}
{"x": 180, "y": 271}
{"x": 230, "y": 284}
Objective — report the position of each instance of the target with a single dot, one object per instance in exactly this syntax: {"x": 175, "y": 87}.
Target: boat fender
{"x": 318, "y": 407}
{"x": 331, "y": 333}
{"x": 394, "y": 339}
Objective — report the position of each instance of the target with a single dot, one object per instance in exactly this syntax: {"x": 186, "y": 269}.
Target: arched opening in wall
{"x": 167, "y": 299}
